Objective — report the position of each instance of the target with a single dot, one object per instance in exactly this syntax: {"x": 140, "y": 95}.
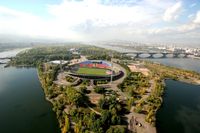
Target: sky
{"x": 149, "y": 21}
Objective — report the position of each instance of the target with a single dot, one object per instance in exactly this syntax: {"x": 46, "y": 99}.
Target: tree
{"x": 76, "y": 98}
{"x": 105, "y": 117}
{"x": 78, "y": 127}
{"x": 116, "y": 120}
{"x": 102, "y": 103}
{"x": 66, "y": 127}
{"x": 83, "y": 89}
{"x": 100, "y": 90}
{"x": 150, "y": 117}
{"x": 116, "y": 129}
{"x": 96, "y": 126}
{"x": 138, "y": 108}
{"x": 130, "y": 102}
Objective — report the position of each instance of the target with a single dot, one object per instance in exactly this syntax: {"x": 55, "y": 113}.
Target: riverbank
{"x": 175, "y": 73}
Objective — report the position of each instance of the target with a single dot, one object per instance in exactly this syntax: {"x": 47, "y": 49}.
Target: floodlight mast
{"x": 61, "y": 61}
{"x": 111, "y": 76}
{"x": 61, "y": 65}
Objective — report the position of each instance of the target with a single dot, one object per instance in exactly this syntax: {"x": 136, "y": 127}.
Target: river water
{"x": 180, "y": 112}
{"x": 23, "y": 107}
{"x": 184, "y": 63}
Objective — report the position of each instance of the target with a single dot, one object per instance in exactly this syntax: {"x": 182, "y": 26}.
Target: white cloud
{"x": 98, "y": 21}
{"x": 180, "y": 29}
{"x": 88, "y": 20}
{"x": 20, "y": 23}
{"x": 197, "y": 19}
{"x": 174, "y": 30}
{"x": 74, "y": 12}
{"x": 76, "y": 19}
{"x": 15, "y": 21}
{"x": 172, "y": 12}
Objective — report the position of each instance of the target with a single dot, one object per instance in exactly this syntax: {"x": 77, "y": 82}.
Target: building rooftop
{"x": 59, "y": 61}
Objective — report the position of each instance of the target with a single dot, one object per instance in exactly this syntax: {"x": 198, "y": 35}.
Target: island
{"x": 93, "y": 89}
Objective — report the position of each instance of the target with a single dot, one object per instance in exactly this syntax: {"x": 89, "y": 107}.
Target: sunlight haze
{"x": 152, "y": 21}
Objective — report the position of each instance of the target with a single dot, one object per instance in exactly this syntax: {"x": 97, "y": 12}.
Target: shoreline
{"x": 39, "y": 78}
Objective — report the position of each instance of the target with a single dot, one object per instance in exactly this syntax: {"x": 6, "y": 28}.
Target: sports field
{"x": 92, "y": 71}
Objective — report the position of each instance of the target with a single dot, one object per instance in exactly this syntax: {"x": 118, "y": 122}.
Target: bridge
{"x": 163, "y": 54}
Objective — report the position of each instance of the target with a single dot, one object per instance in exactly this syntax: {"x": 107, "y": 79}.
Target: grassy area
{"x": 92, "y": 71}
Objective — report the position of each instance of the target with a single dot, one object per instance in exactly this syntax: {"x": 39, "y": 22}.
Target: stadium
{"x": 96, "y": 70}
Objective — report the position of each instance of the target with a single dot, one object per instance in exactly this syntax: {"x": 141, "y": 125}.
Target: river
{"x": 184, "y": 63}
{"x": 23, "y": 107}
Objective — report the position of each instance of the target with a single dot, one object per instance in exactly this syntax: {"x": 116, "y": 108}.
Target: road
{"x": 114, "y": 85}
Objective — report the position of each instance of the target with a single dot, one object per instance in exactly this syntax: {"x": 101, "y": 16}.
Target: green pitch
{"x": 92, "y": 71}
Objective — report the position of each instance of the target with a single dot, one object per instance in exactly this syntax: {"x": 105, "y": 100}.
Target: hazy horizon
{"x": 146, "y": 21}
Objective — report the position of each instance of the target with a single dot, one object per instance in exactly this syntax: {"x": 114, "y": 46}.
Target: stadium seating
{"x": 96, "y": 64}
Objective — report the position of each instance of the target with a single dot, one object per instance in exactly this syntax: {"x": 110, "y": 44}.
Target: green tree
{"x": 105, "y": 117}
{"x": 83, "y": 89}
{"x": 102, "y": 103}
{"x": 76, "y": 98}
{"x": 78, "y": 127}
{"x": 66, "y": 127}
{"x": 100, "y": 90}
{"x": 116, "y": 129}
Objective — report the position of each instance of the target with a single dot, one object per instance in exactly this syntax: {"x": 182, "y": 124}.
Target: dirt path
{"x": 137, "y": 123}
{"x": 94, "y": 110}
{"x": 61, "y": 79}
